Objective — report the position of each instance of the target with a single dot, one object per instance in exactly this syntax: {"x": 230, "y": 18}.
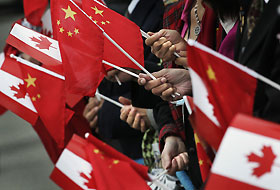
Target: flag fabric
{"x": 34, "y": 10}
{"x": 73, "y": 169}
{"x": 84, "y": 165}
{"x": 123, "y": 31}
{"x": 38, "y": 46}
{"x": 81, "y": 45}
{"x": 49, "y": 100}
{"x": 248, "y": 157}
{"x": 2, "y": 110}
{"x": 12, "y": 91}
{"x": 220, "y": 90}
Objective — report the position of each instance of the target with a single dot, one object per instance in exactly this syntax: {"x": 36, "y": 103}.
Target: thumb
{"x": 166, "y": 160}
{"x": 124, "y": 100}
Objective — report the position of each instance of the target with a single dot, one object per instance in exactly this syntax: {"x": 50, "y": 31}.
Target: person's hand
{"x": 174, "y": 156}
{"x": 165, "y": 42}
{"x": 182, "y": 60}
{"x": 123, "y": 77}
{"x": 135, "y": 117}
{"x": 167, "y": 83}
{"x": 91, "y": 111}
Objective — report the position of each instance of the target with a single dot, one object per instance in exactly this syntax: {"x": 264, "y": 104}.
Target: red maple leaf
{"x": 43, "y": 42}
{"x": 90, "y": 184}
{"x": 20, "y": 91}
{"x": 265, "y": 161}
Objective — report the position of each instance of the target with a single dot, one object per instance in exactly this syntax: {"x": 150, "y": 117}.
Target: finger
{"x": 185, "y": 157}
{"x": 93, "y": 123}
{"x": 163, "y": 50}
{"x": 161, "y": 88}
{"x": 174, "y": 167}
{"x": 180, "y": 163}
{"x": 142, "y": 125}
{"x": 154, "y": 37}
{"x": 91, "y": 114}
{"x": 124, "y": 113}
{"x": 136, "y": 122}
{"x": 131, "y": 116}
{"x": 158, "y": 45}
{"x": 168, "y": 92}
{"x": 166, "y": 160}
{"x": 169, "y": 56}
{"x": 124, "y": 101}
{"x": 153, "y": 84}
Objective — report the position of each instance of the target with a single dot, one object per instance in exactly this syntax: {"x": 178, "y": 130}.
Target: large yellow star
{"x": 211, "y": 73}
{"x": 97, "y": 11}
{"x": 69, "y": 13}
{"x": 30, "y": 81}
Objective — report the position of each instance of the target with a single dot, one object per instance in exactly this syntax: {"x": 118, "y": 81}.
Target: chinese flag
{"x": 248, "y": 157}
{"x": 123, "y": 31}
{"x": 220, "y": 90}
{"x": 46, "y": 91}
{"x": 13, "y": 95}
{"x": 81, "y": 45}
{"x": 33, "y": 10}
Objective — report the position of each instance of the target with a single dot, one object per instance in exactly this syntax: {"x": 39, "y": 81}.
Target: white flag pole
{"x": 120, "y": 68}
{"x": 235, "y": 64}
{"x": 109, "y": 99}
{"x": 37, "y": 67}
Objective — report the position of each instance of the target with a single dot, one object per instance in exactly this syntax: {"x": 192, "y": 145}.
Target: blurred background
{"x": 24, "y": 164}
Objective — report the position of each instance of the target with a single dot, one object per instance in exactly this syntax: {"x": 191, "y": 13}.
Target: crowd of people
{"x": 151, "y": 125}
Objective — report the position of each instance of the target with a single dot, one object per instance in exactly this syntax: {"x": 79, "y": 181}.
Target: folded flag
{"x": 123, "y": 31}
{"x": 248, "y": 157}
{"x": 38, "y": 46}
{"x": 81, "y": 44}
{"x": 220, "y": 90}
{"x": 12, "y": 91}
{"x": 34, "y": 10}
{"x": 85, "y": 165}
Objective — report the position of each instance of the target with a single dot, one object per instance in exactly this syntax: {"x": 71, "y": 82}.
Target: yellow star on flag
{"x": 58, "y": 22}
{"x": 69, "y": 13}
{"x": 96, "y": 151}
{"x": 30, "y": 81}
{"x": 97, "y": 11}
{"x": 69, "y": 34}
{"x": 211, "y": 73}
{"x": 76, "y": 31}
{"x": 95, "y": 21}
{"x": 90, "y": 17}
{"x": 103, "y": 22}
{"x": 38, "y": 95}
{"x": 108, "y": 22}
{"x": 116, "y": 161}
{"x": 33, "y": 99}
{"x": 200, "y": 162}
{"x": 61, "y": 30}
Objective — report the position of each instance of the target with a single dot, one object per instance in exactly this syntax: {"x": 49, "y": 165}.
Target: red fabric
{"x": 229, "y": 90}
{"x": 2, "y": 110}
{"x": 81, "y": 46}
{"x": 123, "y": 31}
{"x": 34, "y": 10}
{"x": 14, "y": 98}
{"x": 49, "y": 101}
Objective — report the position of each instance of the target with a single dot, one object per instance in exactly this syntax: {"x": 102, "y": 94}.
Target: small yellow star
{"x": 103, "y": 22}
{"x": 200, "y": 162}
{"x": 116, "y": 161}
{"x": 69, "y": 13}
{"x": 90, "y": 17}
{"x": 38, "y": 96}
{"x": 30, "y": 81}
{"x": 61, "y": 30}
{"x": 108, "y": 22}
{"x": 69, "y": 34}
{"x": 58, "y": 22}
{"x": 95, "y": 21}
{"x": 196, "y": 139}
{"x": 211, "y": 73}
{"x": 76, "y": 31}
{"x": 97, "y": 11}
{"x": 33, "y": 99}
{"x": 96, "y": 151}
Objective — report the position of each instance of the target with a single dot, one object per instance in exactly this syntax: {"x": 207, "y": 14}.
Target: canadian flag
{"x": 73, "y": 169}
{"x": 221, "y": 89}
{"x": 248, "y": 157}
{"x": 38, "y": 46}
{"x": 12, "y": 91}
